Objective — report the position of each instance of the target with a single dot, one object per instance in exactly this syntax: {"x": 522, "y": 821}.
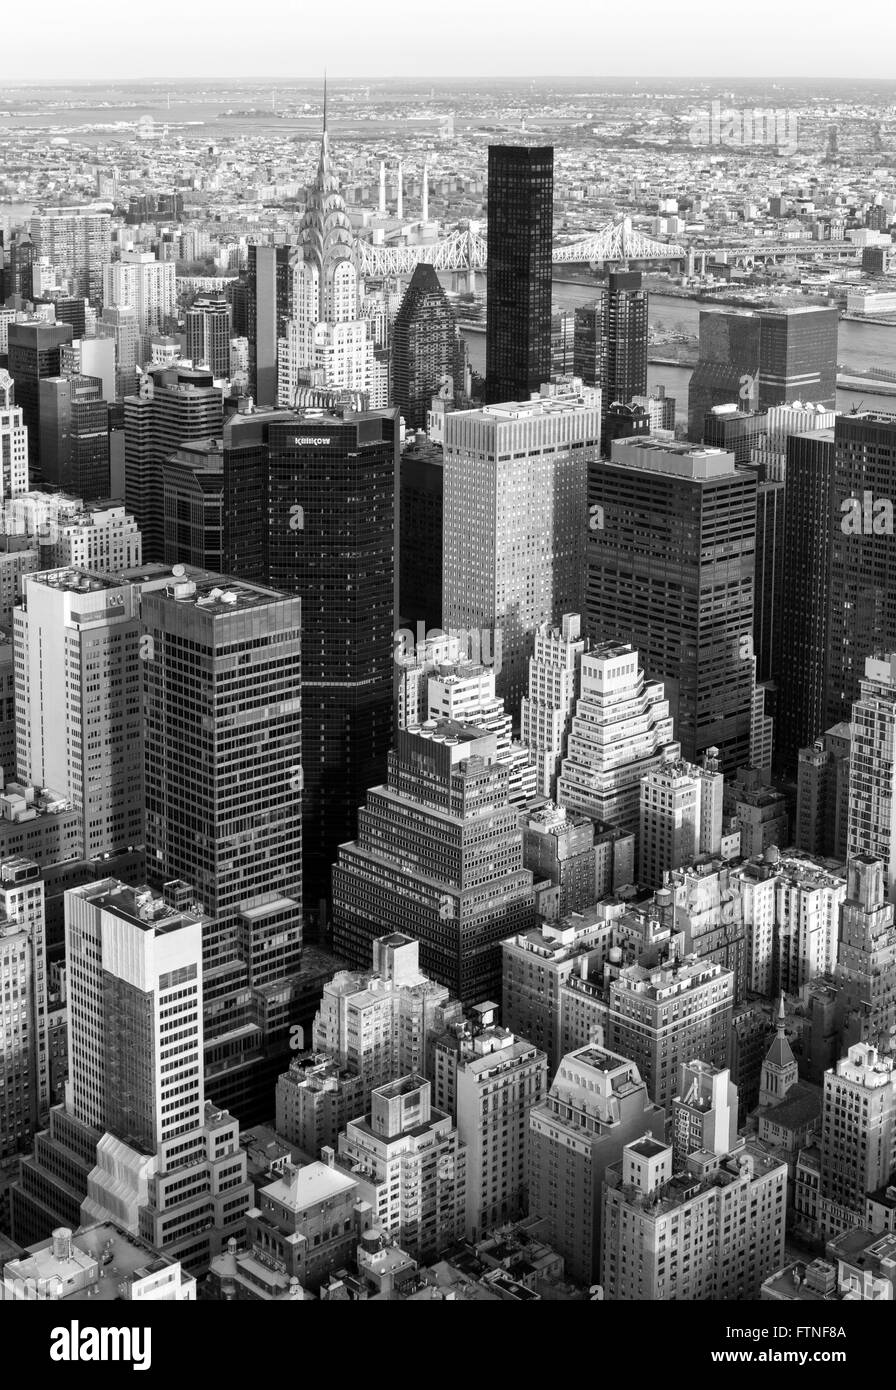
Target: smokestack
{"x": 399, "y": 209}
{"x": 425, "y": 213}
{"x": 382, "y": 186}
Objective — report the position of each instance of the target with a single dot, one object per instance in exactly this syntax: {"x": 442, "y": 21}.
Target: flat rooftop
{"x": 298, "y": 1188}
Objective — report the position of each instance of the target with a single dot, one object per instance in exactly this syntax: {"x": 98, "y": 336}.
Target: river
{"x": 859, "y": 346}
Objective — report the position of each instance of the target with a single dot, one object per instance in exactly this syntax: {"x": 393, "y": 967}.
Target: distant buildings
{"x": 209, "y": 334}
{"x": 520, "y": 232}
{"x": 140, "y": 282}
{"x": 76, "y": 240}
{"x": 610, "y": 345}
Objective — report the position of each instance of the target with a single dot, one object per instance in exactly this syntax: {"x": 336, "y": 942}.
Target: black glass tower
{"x": 309, "y": 503}
{"x": 520, "y": 231}
{"x": 424, "y": 346}
{"x": 610, "y": 341}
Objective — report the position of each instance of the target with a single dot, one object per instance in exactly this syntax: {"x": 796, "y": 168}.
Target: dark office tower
{"x": 726, "y": 427}
{"x": 208, "y": 334}
{"x": 757, "y": 360}
{"x": 34, "y": 353}
{"x": 727, "y": 369}
{"x": 21, "y": 261}
{"x": 70, "y": 311}
{"x": 421, "y": 493}
{"x": 222, "y": 762}
{"x": 331, "y": 534}
{"x": 801, "y": 636}
{"x": 862, "y": 594}
{"x": 439, "y": 856}
{"x": 175, "y": 405}
{"x": 770, "y": 560}
{"x": 518, "y": 305}
{"x": 670, "y": 570}
{"x": 268, "y": 279}
{"x": 74, "y": 436}
{"x": 623, "y": 422}
{"x": 245, "y": 519}
{"x": 610, "y": 340}
{"x": 424, "y": 346}
{"x": 799, "y": 356}
{"x": 239, "y": 307}
{"x": 193, "y": 487}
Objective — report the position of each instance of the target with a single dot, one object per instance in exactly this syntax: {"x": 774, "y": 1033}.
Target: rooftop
{"x": 299, "y": 1188}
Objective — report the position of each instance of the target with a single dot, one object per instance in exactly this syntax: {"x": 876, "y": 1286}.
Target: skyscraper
{"x": 858, "y": 1135}
{"x": 208, "y": 334}
{"x": 671, "y": 570}
{"x": 331, "y": 483}
{"x": 77, "y": 240}
{"x": 763, "y": 358}
{"x": 326, "y": 342}
{"x": 223, "y": 764}
{"x": 596, "y": 1105}
{"x": 79, "y": 633}
{"x": 13, "y": 441}
{"x": 268, "y": 295}
{"x": 25, "y": 1095}
{"x": 802, "y": 640}
{"x": 34, "y": 353}
{"x": 514, "y": 502}
{"x": 621, "y": 729}
{"x": 174, "y": 406}
{"x": 74, "y": 436}
{"x": 681, "y": 817}
{"x": 871, "y": 814}
{"x": 439, "y": 856}
{"x": 140, "y": 282}
{"x": 518, "y": 307}
{"x": 546, "y": 712}
{"x": 424, "y": 346}
{"x": 610, "y": 348}
{"x": 861, "y": 593}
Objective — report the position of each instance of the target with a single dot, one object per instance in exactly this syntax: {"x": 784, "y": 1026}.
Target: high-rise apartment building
{"x": 871, "y": 812}
{"x": 803, "y": 640}
{"x": 410, "y": 1165}
{"x": 424, "y": 347}
{"x": 439, "y": 857}
{"x": 704, "y": 1113}
{"x": 208, "y": 334}
{"x": 714, "y": 1231}
{"x": 546, "y": 712}
{"x": 174, "y": 406}
{"x": 78, "y": 633}
{"x": 669, "y": 1014}
{"x": 518, "y": 307}
{"x": 95, "y": 538}
{"x": 620, "y": 731}
{"x": 671, "y": 570}
{"x": 596, "y": 1105}
{"x": 865, "y": 971}
{"x": 680, "y": 816}
{"x": 140, "y": 282}
{"x": 269, "y": 287}
{"x": 858, "y": 1135}
{"x": 78, "y": 242}
{"x": 25, "y": 1094}
{"x": 610, "y": 345}
{"x": 13, "y": 441}
{"x": 121, "y": 325}
{"x": 489, "y": 1080}
{"x": 73, "y": 423}
{"x": 515, "y": 491}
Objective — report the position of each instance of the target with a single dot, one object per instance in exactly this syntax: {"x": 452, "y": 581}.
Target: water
{"x": 859, "y": 346}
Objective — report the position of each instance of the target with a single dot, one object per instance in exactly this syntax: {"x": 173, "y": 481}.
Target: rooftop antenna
{"x": 325, "y": 101}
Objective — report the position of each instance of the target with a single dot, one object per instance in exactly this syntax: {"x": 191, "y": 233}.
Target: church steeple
{"x": 779, "y": 1070}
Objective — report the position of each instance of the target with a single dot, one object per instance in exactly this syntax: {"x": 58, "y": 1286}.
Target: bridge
{"x": 746, "y": 255}
{"x": 466, "y": 251}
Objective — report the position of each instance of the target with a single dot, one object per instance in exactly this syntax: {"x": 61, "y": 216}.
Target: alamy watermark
{"x": 744, "y": 128}
{"x": 480, "y": 645}
{"x": 866, "y": 515}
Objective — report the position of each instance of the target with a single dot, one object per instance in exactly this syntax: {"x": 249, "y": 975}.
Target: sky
{"x": 103, "y": 39}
